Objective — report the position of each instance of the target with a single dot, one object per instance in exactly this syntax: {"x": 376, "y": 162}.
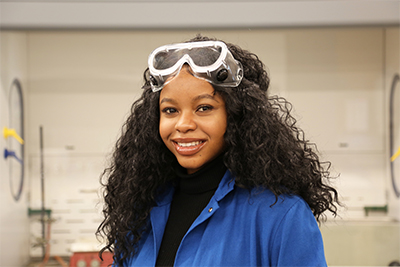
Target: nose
{"x": 185, "y": 123}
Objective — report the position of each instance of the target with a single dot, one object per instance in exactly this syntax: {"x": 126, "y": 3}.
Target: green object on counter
{"x": 32, "y": 212}
{"x": 374, "y": 208}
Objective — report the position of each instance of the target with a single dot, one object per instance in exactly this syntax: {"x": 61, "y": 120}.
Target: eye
{"x": 205, "y": 108}
{"x": 168, "y": 110}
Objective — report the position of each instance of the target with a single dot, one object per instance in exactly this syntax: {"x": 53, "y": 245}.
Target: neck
{"x": 205, "y": 179}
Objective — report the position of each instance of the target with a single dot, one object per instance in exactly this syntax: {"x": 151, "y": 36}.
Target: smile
{"x": 188, "y": 148}
{"x": 189, "y": 144}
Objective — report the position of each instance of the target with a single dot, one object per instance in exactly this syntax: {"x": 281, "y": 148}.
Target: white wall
{"x": 81, "y": 87}
{"x": 361, "y": 243}
{"x": 82, "y": 83}
{"x": 14, "y": 222}
{"x": 336, "y": 85}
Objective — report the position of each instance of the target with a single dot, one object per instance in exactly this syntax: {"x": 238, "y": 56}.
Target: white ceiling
{"x": 163, "y": 14}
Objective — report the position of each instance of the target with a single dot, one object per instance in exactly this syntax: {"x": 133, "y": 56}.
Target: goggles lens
{"x": 209, "y": 60}
{"x": 201, "y": 56}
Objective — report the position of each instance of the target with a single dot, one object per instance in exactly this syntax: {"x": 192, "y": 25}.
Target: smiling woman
{"x": 212, "y": 171}
{"x": 192, "y": 120}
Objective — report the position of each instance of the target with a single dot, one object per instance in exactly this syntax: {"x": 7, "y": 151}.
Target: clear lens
{"x": 201, "y": 56}
{"x": 207, "y": 60}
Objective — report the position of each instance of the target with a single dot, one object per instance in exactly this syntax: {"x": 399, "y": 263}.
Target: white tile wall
{"x": 72, "y": 193}
{"x": 83, "y": 83}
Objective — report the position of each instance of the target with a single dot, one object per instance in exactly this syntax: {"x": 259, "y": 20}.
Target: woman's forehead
{"x": 187, "y": 84}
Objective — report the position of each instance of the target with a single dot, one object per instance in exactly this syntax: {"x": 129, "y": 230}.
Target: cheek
{"x": 162, "y": 129}
{"x": 223, "y": 123}
{"x": 222, "y": 130}
{"x": 217, "y": 128}
{"x": 165, "y": 129}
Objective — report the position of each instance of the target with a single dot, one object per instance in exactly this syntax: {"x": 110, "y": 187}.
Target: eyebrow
{"x": 165, "y": 99}
{"x": 203, "y": 96}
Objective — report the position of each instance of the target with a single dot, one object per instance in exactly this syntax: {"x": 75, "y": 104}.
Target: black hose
{"x": 18, "y": 87}
{"x": 396, "y": 79}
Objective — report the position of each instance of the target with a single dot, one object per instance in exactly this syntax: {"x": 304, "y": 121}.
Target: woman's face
{"x": 192, "y": 120}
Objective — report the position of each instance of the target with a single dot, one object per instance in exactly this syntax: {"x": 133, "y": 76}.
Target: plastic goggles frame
{"x": 225, "y": 71}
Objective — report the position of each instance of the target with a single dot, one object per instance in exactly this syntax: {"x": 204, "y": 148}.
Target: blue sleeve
{"x": 298, "y": 240}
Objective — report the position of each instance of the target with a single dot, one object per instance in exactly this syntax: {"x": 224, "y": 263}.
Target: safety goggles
{"x": 208, "y": 60}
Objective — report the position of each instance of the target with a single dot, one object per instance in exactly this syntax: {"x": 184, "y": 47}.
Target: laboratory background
{"x": 70, "y": 71}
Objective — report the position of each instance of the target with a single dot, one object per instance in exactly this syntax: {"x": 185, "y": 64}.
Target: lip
{"x": 188, "y": 147}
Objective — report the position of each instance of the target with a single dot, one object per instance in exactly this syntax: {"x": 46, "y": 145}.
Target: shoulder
{"x": 261, "y": 201}
{"x": 261, "y": 207}
{"x": 264, "y": 198}
{"x": 255, "y": 209}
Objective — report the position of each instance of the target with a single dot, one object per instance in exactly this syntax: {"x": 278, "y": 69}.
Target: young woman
{"x": 212, "y": 171}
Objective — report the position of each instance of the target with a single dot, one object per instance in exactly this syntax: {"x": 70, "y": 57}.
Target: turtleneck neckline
{"x": 205, "y": 179}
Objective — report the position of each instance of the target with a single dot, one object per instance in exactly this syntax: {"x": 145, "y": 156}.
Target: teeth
{"x": 189, "y": 144}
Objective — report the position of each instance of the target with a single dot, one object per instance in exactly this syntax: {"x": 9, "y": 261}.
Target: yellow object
{"x": 11, "y": 132}
{"x": 395, "y": 155}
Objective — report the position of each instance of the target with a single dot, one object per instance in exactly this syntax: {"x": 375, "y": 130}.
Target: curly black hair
{"x": 264, "y": 149}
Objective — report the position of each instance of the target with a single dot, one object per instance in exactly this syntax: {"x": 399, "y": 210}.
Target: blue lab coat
{"x": 239, "y": 228}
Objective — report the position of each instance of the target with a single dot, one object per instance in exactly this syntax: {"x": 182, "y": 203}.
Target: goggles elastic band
{"x": 208, "y": 60}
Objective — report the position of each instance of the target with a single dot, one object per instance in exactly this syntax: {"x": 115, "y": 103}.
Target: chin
{"x": 189, "y": 166}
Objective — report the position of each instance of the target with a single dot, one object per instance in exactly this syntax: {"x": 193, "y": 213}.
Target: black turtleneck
{"x": 192, "y": 194}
